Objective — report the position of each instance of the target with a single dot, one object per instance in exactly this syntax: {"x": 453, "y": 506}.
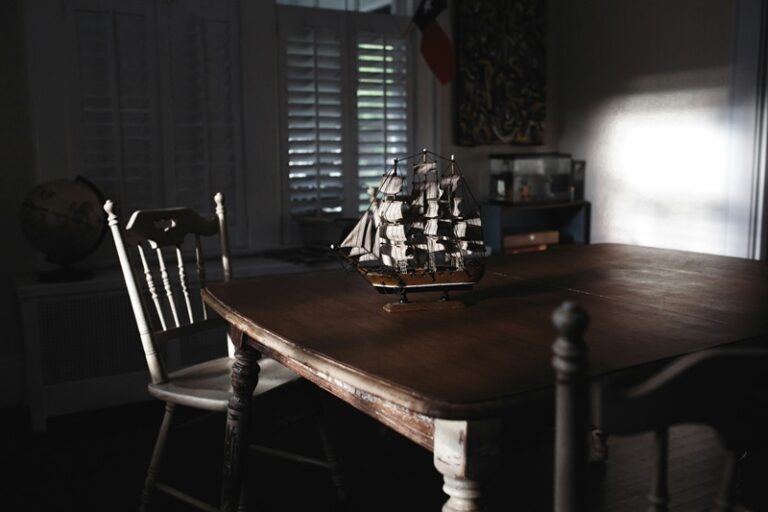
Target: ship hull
{"x": 389, "y": 281}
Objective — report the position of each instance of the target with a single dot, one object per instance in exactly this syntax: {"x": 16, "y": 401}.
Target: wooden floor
{"x": 96, "y": 461}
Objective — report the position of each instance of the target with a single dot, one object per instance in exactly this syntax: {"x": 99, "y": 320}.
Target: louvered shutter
{"x": 114, "y": 114}
{"x": 382, "y": 107}
{"x": 203, "y": 125}
{"x": 312, "y": 69}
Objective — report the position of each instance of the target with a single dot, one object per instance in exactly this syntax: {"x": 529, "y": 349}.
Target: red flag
{"x": 436, "y": 47}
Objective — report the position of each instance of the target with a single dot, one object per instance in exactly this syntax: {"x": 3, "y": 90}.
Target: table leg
{"x": 466, "y": 452}
{"x": 245, "y": 376}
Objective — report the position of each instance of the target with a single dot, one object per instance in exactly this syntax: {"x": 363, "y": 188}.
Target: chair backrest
{"x": 164, "y": 231}
{"x": 722, "y": 388}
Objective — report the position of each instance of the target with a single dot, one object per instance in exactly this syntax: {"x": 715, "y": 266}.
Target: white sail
{"x": 375, "y": 210}
{"x": 456, "y": 211}
{"x": 460, "y": 229}
{"x": 391, "y": 184}
{"x": 368, "y": 257}
{"x": 433, "y": 190}
{"x": 425, "y": 167}
{"x": 356, "y": 237}
{"x": 435, "y": 245}
{"x": 395, "y": 233}
{"x": 363, "y": 239}
{"x": 430, "y": 227}
{"x": 432, "y": 209}
{"x": 392, "y": 211}
{"x": 376, "y": 251}
{"x": 450, "y": 182}
{"x": 393, "y": 254}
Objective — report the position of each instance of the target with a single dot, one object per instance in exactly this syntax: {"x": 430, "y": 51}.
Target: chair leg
{"x": 157, "y": 455}
{"x": 242, "y": 505}
{"x": 329, "y": 447}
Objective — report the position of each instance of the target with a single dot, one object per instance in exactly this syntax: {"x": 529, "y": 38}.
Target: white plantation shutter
{"x": 345, "y": 115}
{"x": 203, "y": 120}
{"x": 156, "y": 107}
{"x": 114, "y": 114}
{"x": 312, "y": 68}
{"x": 382, "y": 107}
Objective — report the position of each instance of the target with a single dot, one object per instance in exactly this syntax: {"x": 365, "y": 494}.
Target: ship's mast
{"x": 392, "y": 230}
{"x": 450, "y": 199}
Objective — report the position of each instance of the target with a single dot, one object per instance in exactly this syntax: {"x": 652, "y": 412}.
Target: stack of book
{"x": 530, "y": 242}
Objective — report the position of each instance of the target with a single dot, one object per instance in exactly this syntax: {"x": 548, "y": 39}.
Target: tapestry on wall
{"x": 501, "y": 54}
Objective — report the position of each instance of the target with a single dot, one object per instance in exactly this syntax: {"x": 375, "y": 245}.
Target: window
{"x": 382, "y": 107}
{"x": 346, "y": 113}
{"x": 313, "y": 61}
{"x": 155, "y": 115}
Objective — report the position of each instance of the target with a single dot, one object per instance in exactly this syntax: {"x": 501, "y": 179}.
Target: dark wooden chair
{"x": 724, "y": 389}
{"x": 160, "y": 236}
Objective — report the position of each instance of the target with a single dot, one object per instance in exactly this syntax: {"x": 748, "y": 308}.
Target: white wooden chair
{"x": 206, "y": 385}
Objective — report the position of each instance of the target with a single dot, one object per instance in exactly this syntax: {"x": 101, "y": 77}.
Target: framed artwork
{"x": 501, "y": 86}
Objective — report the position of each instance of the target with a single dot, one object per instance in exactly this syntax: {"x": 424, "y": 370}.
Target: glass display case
{"x": 531, "y": 178}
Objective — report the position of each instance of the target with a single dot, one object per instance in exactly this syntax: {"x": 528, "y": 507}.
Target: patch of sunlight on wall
{"x": 662, "y": 170}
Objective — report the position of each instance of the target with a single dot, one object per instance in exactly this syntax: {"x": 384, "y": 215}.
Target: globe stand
{"x": 64, "y": 274}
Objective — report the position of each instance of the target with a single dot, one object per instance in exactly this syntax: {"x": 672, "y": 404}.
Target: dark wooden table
{"x": 446, "y": 379}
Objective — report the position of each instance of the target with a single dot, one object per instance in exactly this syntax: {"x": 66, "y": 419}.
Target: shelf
{"x": 571, "y": 220}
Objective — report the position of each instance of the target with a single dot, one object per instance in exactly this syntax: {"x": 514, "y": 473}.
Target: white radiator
{"x": 82, "y": 348}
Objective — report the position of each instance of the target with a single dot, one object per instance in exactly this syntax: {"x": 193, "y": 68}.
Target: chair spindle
{"x": 200, "y": 263}
{"x": 167, "y": 285}
{"x": 151, "y": 287}
{"x": 658, "y": 498}
{"x": 725, "y": 501}
{"x": 184, "y": 283}
{"x": 223, "y": 235}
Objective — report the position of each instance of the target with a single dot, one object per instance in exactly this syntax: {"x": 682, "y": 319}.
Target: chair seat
{"x": 208, "y": 385}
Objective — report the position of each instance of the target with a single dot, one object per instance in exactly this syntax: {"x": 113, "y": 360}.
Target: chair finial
{"x": 570, "y": 320}
{"x": 569, "y": 350}
{"x": 219, "y": 198}
{"x": 109, "y": 207}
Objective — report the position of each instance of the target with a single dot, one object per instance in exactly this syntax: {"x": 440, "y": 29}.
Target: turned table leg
{"x": 466, "y": 452}
{"x": 245, "y": 376}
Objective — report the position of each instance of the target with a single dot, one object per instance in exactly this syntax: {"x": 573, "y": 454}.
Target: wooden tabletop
{"x": 646, "y": 305}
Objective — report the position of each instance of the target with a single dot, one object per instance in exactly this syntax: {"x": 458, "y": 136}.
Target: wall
{"x": 16, "y": 178}
{"x": 644, "y": 93}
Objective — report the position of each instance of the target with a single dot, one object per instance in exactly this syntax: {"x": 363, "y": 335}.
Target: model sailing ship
{"x": 428, "y": 238}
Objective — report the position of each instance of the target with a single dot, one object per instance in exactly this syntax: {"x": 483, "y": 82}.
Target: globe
{"x": 64, "y": 220}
